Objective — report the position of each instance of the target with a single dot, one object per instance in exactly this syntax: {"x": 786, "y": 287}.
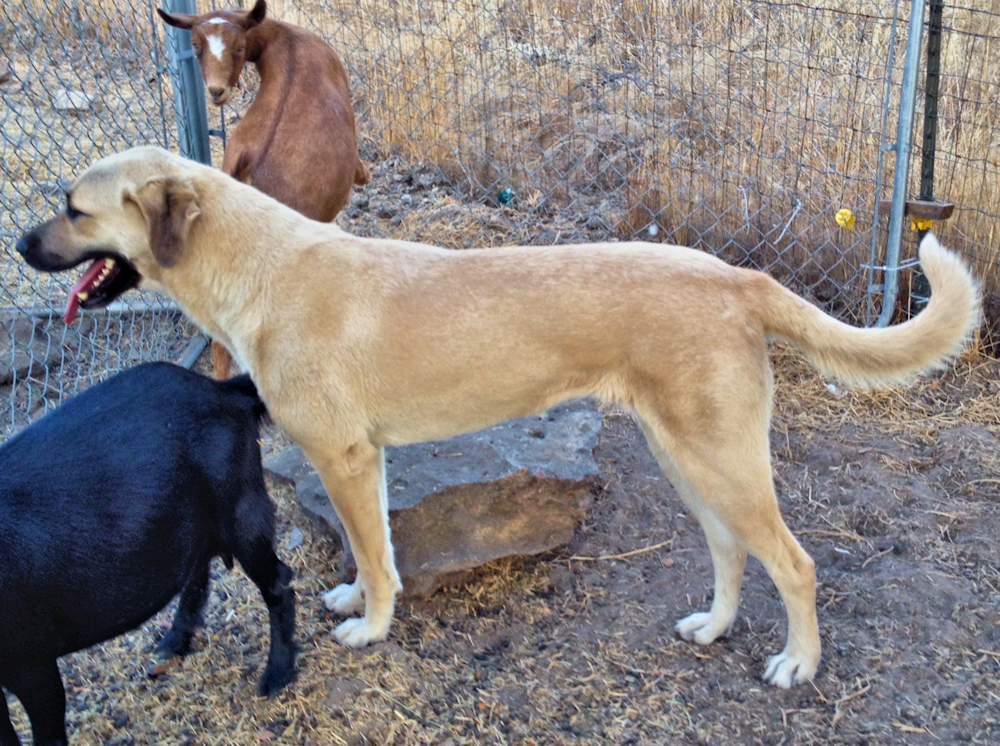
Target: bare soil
{"x": 895, "y": 494}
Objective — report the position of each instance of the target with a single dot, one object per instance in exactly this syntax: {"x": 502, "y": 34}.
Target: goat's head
{"x": 220, "y": 42}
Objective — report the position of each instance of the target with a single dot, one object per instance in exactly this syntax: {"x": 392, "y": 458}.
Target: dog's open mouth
{"x": 104, "y": 281}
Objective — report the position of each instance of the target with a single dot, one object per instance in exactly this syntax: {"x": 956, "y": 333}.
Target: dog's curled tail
{"x": 244, "y": 385}
{"x": 893, "y": 355}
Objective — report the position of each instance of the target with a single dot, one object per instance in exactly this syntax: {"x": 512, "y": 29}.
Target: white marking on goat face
{"x": 217, "y": 21}
{"x": 216, "y": 46}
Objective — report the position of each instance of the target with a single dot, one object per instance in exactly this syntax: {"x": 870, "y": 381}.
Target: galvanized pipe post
{"x": 192, "y": 119}
{"x": 189, "y": 89}
{"x": 907, "y": 105}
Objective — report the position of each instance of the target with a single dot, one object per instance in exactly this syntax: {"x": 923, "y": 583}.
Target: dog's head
{"x": 129, "y": 214}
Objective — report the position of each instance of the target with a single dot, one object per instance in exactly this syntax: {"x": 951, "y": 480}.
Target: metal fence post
{"x": 920, "y": 295}
{"x": 189, "y": 89}
{"x": 907, "y": 104}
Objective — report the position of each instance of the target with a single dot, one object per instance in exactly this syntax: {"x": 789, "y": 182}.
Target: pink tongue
{"x": 85, "y": 283}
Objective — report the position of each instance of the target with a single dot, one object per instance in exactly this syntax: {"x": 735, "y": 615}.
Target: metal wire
{"x": 80, "y": 81}
{"x": 739, "y": 127}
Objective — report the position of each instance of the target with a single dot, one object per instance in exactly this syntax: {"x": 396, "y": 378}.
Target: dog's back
{"x": 126, "y": 480}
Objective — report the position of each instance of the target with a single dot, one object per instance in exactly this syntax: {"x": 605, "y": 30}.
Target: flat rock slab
{"x": 519, "y": 488}
{"x": 76, "y": 102}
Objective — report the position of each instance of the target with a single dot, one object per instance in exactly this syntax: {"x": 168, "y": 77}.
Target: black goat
{"x": 114, "y": 503}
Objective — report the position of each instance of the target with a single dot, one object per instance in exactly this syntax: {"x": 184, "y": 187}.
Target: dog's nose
{"x": 26, "y": 243}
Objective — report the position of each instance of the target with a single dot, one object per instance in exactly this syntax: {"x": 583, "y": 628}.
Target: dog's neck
{"x": 224, "y": 278}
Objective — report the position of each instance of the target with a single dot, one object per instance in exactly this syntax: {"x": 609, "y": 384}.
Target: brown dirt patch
{"x": 894, "y": 494}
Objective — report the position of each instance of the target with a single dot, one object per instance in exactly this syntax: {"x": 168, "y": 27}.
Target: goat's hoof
{"x": 174, "y": 643}
{"x": 275, "y": 679}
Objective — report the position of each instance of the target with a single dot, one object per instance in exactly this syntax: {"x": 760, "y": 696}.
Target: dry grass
{"x": 965, "y": 393}
{"x": 71, "y": 23}
{"x": 740, "y": 128}
{"x": 562, "y": 651}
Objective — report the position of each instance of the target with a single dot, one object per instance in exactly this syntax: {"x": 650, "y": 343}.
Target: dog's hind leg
{"x": 728, "y": 556}
{"x": 729, "y": 486}
{"x": 253, "y": 547}
{"x": 8, "y": 736}
{"x": 355, "y": 483}
{"x": 177, "y": 641}
{"x": 40, "y": 690}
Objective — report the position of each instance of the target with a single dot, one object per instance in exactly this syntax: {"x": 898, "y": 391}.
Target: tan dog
{"x": 356, "y": 344}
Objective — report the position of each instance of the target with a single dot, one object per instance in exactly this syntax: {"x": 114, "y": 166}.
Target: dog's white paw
{"x": 786, "y": 669}
{"x": 701, "y": 628}
{"x": 356, "y": 633}
{"x": 345, "y": 599}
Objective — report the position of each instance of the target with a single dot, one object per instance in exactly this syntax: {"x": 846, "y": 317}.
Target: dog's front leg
{"x": 354, "y": 479}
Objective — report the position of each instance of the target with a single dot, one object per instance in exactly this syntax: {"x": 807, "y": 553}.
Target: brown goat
{"x": 297, "y": 141}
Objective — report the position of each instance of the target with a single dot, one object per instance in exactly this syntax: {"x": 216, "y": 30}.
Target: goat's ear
{"x": 256, "y": 15}
{"x": 177, "y": 20}
{"x": 169, "y": 207}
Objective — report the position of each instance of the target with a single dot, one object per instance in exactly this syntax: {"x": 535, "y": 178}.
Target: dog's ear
{"x": 177, "y": 20}
{"x": 255, "y": 16}
{"x": 169, "y": 207}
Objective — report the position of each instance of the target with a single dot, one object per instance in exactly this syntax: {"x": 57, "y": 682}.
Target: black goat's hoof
{"x": 275, "y": 679}
{"x": 174, "y": 643}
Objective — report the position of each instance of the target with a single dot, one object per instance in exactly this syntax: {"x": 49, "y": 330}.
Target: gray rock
{"x": 76, "y": 102}
{"x": 519, "y": 488}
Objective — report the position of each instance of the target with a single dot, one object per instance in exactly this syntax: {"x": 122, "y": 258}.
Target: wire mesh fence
{"x": 740, "y": 127}
{"x": 80, "y": 81}
{"x": 967, "y": 153}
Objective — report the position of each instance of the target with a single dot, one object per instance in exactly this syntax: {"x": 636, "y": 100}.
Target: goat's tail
{"x": 362, "y": 175}
{"x": 877, "y": 357}
{"x": 244, "y": 385}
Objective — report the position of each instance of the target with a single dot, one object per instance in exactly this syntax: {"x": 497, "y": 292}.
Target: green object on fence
{"x": 506, "y": 196}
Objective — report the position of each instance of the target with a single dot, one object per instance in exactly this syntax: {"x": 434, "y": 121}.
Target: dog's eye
{"x": 71, "y": 212}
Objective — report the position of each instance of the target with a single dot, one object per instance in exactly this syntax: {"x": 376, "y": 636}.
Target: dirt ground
{"x": 895, "y": 494}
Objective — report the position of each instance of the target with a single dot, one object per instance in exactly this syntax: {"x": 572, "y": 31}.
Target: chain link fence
{"x": 79, "y": 81}
{"x": 739, "y": 127}
{"x": 967, "y": 154}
